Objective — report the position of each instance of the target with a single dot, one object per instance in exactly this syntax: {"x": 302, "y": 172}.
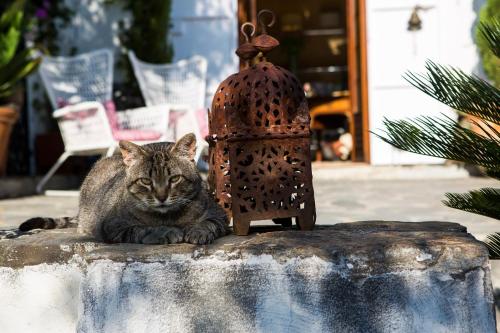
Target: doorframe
{"x": 356, "y": 12}
{"x": 352, "y": 69}
{"x": 363, "y": 80}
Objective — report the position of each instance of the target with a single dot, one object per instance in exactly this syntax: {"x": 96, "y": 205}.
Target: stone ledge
{"x": 377, "y": 244}
{"x": 364, "y": 276}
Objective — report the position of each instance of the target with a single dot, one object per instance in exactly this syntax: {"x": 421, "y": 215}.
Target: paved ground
{"x": 336, "y": 201}
{"x": 401, "y": 200}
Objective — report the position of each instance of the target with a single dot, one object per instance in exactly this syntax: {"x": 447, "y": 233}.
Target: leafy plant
{"x": 443, "y": 137}
{"x": 14, "y": 64}
{"x": 490, "y": 61}
{"x": 147, "y": 35}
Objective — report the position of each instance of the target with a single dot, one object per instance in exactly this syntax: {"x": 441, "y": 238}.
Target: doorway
{"x": 323, "y": 43}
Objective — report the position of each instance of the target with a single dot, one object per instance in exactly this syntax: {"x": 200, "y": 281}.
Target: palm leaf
{"x": 467, "y": 93}
{"x": 9, "y": 41}
{"x": 19, "y": 61}
{"x": 493, "y": 173}
{"x": 21, "y": 66}
{"x": 10, "y": 14}
{"x": 443, "y": 138}
{"x": 491, "y": 33}
{"x": 493, "y": 244}
{"x": 485, "y": 201}
{"x": 10, "y": 31}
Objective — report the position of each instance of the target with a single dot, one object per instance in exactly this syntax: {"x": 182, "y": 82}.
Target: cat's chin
{"x": 162, "y": 208}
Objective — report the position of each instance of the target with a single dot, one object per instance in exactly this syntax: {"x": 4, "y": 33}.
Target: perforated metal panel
{"x": 260, "y": 162}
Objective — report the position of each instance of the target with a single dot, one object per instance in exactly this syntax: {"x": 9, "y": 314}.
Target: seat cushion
{"x": 136, "y": 135}
{"x": 110, "y": 108}
{"x": 122, "y": 134}
{"x": 202, "y": 117}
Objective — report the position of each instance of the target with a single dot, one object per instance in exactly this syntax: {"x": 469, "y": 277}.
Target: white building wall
{"x": 208, "y": 28}
{"x": 446, "y": 37}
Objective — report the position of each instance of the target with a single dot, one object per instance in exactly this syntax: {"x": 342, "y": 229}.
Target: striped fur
{"x": 49, "y": 223}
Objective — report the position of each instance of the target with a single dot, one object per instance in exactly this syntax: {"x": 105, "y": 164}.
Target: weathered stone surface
{"x": 356, "y": 277}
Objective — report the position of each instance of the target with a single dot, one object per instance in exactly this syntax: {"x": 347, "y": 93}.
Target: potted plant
{"x": 15, "y": 65}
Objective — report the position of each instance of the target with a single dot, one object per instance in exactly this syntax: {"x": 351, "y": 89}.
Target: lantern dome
{"x": 263, "y": 99}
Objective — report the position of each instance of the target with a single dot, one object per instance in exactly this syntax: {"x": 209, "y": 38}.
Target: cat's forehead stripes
{"x": 160, "y": 166}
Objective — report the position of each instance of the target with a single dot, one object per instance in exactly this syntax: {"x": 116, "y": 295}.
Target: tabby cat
{"x": 151, "y": 194}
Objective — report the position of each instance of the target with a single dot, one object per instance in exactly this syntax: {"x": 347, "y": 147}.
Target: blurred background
{"x": 349, "y": 55}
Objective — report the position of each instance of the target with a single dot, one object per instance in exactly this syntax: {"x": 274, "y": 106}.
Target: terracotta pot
{"x": 8, "y": 117}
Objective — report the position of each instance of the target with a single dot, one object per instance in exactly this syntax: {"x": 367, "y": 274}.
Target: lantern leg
{"x": 307, "y": 218}
{"x": 285, "y": 222}
{"x": 241, "y": 227}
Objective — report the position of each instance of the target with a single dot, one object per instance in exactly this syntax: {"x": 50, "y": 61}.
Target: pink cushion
{"x": 61, "y": 103}
{"x": 121, "y": 134}
{"x": 202, "y": 117}
{"x": 136, "y": 135}
{"x": 173, "y": 117}
{"x": 110, "y": 108}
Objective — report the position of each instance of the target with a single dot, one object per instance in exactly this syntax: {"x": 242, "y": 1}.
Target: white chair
{"x": 78, "y": 88}
{"x": 181, "y": 85}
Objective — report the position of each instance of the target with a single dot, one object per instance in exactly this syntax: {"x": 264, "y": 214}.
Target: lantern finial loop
{"x": 247, "y": 50}
{"x": 247, "y": 34}
{"x": 263, "y": 24}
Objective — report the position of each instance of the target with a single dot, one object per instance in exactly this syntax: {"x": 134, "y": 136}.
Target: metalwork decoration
{"x": 247, "y": 51}
{"x": 415, "y": 22}
{"x": 260, "y": 162}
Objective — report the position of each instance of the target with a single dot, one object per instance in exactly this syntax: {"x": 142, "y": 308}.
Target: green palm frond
{"x": 451, "y": 86}
{"x": 14, "y": 63}
{"x": 493, "y": 244}
{"x": 444, "y": 138}
{"x": 485, "y": 201}
{"x": 22, "y": 65}
{"x": 10, "y": 31}
{"x": 493, "y": 173}
{"x": 491, "y": 33}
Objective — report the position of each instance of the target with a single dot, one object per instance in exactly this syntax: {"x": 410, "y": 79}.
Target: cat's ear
{"x": 186, "y": 146}
{"x": 131, "y": 152}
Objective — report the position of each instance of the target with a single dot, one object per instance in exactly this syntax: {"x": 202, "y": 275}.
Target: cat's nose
{"x": 161, "y": 195}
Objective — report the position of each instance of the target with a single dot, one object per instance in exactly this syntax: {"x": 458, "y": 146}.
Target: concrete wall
{"x": 404, "y": 277}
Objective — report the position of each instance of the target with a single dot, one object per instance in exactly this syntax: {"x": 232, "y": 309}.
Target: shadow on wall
{"x": 346, "y": 293}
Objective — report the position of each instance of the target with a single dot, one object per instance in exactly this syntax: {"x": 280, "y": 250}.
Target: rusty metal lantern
{"x": 259, "y": 155}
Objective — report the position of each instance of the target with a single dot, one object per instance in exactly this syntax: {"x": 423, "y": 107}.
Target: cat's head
{"x": 162, "y": 177}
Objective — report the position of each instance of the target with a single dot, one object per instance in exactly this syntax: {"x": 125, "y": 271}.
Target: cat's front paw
{"x": 200, "y": 236}
{"x": 164, "y": 235}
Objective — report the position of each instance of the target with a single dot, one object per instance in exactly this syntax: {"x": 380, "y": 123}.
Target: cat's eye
{"x": 175, "y": 179}
{"x": 145, "y": 181}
